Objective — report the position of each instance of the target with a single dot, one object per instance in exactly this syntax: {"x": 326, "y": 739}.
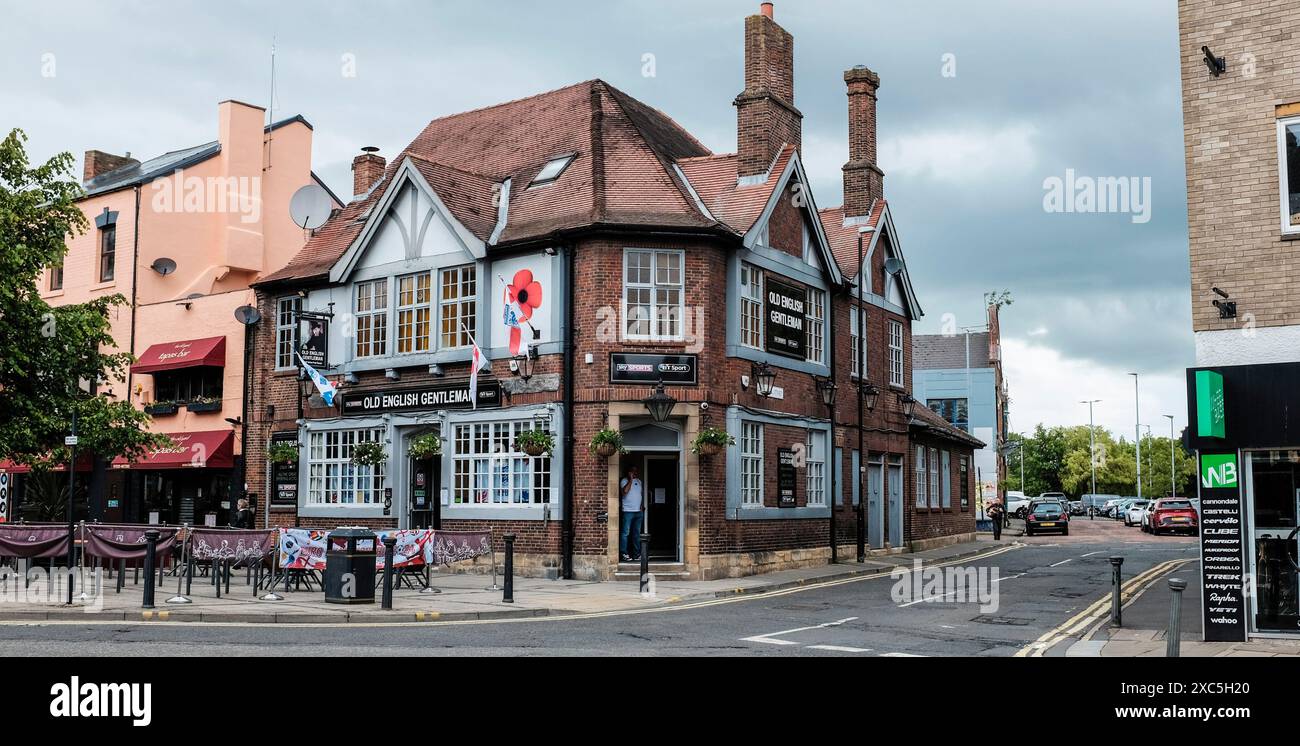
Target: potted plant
{"x": 710, "y": 441}
{"x": 535, "y": 442}
{"x": 204, "y": 404}
{"x": 606, "y": 443}
{"x": 369, "y": 453}
{"x": 161, "y": 407}
{"x": 425, "y": 447}
{"x": 281, "y": 452}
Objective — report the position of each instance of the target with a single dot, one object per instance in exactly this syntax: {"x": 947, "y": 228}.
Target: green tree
{"x": 52, "y": 359}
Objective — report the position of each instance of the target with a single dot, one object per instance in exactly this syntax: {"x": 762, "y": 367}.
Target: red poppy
{"x": 526, "y": 295}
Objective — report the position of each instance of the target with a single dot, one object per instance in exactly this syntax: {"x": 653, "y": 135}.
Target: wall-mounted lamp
{"x": 764, "y": 379}
{"x": 524, "y": 365}
{"x": 1217, "y": 65}
{"x": 908, "y": 404}
{"x": 870, "y": 395}
{"x": 660, "y": 404}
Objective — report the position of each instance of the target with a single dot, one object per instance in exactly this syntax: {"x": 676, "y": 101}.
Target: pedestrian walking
{"x": 996, "y": 513}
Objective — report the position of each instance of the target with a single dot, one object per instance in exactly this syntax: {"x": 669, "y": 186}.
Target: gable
{"x": 790, "y": 222}
{"x": 408, "y": 223}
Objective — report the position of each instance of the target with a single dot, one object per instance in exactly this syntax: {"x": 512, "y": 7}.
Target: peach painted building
{"x": 182, "y": 236}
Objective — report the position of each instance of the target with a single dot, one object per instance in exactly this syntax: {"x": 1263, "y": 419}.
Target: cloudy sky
{"x": 1038, "y": 88}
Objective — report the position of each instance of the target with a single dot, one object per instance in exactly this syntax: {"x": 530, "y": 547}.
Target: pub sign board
{"x": 637, "y": 368}
{"x": 785, "y": 328}
{"x": 313, "y": 334}
{"x": 284, "y": 477}
{"x": 451, "y": 395}
{"x": 787, "y": 478}
{"x": 1223, "y": 574}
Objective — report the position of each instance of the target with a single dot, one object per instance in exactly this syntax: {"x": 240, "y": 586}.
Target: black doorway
{"x": 663, "y": 506}
{"x": 424, "y": 502}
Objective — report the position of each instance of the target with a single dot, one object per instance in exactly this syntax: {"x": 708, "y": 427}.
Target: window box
{"x": 161, "y": 408}
{"x": 203, "y": 406}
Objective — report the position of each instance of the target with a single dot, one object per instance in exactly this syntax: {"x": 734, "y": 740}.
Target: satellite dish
{"x": 248, "y": 315}
{"x": 310, "y": 207}
{"x": 163, "y": 266}
{"x": 893, "y": 266}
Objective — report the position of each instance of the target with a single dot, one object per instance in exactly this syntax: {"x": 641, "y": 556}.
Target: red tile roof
{"x": 737, "y": 205}
{"x": 844, "y": 238}
{"x": 621, "y": 173}
{"x": 931, "y": 421}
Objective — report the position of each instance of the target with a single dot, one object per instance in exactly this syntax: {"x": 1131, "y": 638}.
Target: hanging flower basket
{"x": 711, "y": 441}
{"x": 369, "y": 453}
{"x": 535, "y": 442}
{"x": 282, "y": 452}
{"x": 606, "y": 443}
{"x": 425, "y": 447}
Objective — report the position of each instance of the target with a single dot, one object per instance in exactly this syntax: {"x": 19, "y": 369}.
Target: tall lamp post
{"x": 71, "y": 442}
{"x": 1173, "y": 480}
{"x": 867, "y": 396}
{"x": 827, "y": 388}
{"x": 1137, "y": 432}
{"x": 1092, "y": 445}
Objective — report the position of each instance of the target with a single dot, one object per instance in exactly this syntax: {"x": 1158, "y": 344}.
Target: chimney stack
{"x": 98, "y": 163}
{"x": 367, "y": 170}
{"x": 765, "y": 115}
{"x": 864, "y": 182}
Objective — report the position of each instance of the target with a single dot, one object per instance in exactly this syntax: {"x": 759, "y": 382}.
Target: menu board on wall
{"x": 1222, "y": 560}
{"x": 284, "y": 477}
{"x": 786, "y": 478}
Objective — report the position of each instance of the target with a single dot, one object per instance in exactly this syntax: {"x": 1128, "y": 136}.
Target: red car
{"x": 1173, "y": 514}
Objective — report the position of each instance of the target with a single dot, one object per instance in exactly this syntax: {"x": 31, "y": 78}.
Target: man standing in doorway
{"x": 632, "y": 492}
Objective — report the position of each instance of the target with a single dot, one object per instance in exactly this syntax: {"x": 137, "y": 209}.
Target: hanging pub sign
{"x": 313, "y": 334}
{"x": 284, "y": 476}
{"x": 786, "y": 477}
{"x": 451, "y": 395}
{"x": 785, "y": 330}
{"x": 636, "y": 368}
{"x": 1223, "y": 570}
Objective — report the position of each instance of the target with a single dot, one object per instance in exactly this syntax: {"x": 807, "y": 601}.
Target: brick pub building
{"x": 633, "y": 256}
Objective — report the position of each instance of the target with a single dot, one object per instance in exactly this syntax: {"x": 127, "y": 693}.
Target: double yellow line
{"x": 1090, "y": 615}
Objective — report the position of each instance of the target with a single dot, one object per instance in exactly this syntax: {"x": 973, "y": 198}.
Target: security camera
{"x": 1217, "y": 65}
{"x": 1227, "y": 309}
{"x": 704, "y": 406}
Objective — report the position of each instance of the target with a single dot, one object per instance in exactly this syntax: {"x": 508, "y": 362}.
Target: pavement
{"x": 460, "y": 596}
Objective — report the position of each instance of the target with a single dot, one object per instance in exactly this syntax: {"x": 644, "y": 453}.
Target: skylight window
{"x": 552, "y": 170}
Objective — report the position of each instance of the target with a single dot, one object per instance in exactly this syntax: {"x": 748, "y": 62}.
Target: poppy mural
{"x": 523, "y": 296}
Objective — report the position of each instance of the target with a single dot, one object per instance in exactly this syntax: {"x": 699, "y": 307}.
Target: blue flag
{"x": 323, "y": 384}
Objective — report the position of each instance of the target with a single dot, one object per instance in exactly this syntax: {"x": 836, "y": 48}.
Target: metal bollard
{"x": 1116, "y": 610}
{"x": 216, "y": 576}
{"x": 226, "y": 571}
{"x": 1173, "y": 638}
{"x": 150, "y": 550}
{"x": 645, "y": 561}
{"x": 389, "y": 542}
{"x": 508, "y": 592}
{"x": 121, "y": 574}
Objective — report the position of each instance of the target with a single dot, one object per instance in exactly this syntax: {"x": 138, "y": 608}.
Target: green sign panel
{"x": 1218, "y": 470}
{"x": 1209, "y": 404}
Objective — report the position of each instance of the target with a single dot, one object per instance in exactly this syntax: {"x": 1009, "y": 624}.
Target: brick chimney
{"x": 367, "y": 169}
{"x": 864, "y": 182}
{"x": 765, "y": 115}
{"x": 98, "y": 163}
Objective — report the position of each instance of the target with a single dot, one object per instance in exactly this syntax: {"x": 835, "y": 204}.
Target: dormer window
{"x": 552, "y": 170}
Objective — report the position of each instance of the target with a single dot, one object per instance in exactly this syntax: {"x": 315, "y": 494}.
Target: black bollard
{"x": 216, "y": 576}
{"x": 1173, "y": 638}
{"x": 645, "y": 561}
{"x": 189, "y": 575}
{"x": 121, "y": 574}
{"x": 1116, "y": 609}
{"x": 150, "y": 550}
{"x": 387, "y": 601}
{"x": 508, "y": 594}
{"x": 226, "y": 571}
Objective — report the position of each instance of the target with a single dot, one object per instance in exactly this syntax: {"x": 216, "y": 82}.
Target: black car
{"x": 1047, "y": 515}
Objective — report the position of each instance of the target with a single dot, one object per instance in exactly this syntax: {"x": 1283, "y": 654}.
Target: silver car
{"x": 1133, "y": 513}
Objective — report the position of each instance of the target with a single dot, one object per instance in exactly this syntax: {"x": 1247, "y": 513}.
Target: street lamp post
{"x": 72, "y": 490}
{"x": 1173, "y": 481}
{"x": 1092, "y": 445}
{"x": 1137, "y": 432}
{"x": 1149, "y": 487}
{"x": 827, "y": 388}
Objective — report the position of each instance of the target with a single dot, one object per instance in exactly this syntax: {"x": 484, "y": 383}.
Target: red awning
{"x": 190, "y": 353}
{"x": 210, "y": 448}
{"x": 84, "y": 463}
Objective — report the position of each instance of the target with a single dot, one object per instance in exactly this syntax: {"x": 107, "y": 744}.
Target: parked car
{"x": 1047, "y": 515}
{"x": 1133, "y": 512}
{"x": 1117, "y": 510}
{"x": 1108, "y": 507}
{"x": 1097, "y": 502}
{"x": 1016, "y": 503}
{"x": 1173, "y": 514}
{"x": 1077, "y": 507}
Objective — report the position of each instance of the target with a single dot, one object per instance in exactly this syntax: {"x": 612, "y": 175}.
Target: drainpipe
{"x": 566, "y": 501}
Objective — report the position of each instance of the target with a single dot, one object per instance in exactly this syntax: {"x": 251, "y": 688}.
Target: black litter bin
{"x": 350, "y": 566}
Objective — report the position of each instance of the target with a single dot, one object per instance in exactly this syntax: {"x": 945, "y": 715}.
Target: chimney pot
{"x": 766, "y": 9}
{"x": 367, "y": 170}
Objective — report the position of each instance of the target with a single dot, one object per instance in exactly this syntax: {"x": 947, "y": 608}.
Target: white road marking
{"x": 839, "y": 648}
{"x": 1062, "y": 562}
{"x": 767, "y": 638}
{"x": 1089, "y": 554}
{"x": 901, "y": 655}
{"x": 1010, "y": 577}
{"x": 923, "y": 600}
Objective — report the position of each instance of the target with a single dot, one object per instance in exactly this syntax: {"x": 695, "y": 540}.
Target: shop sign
{"x": 636, "y": 368}
{"x": 453, "y": 395}
{"x": 787, "y": 318}
{"x": 787, "y": 478}
{"x": 284, "y": 477}
{"x": 1210, "y": 413}
{"x": 1223, "y": 574}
